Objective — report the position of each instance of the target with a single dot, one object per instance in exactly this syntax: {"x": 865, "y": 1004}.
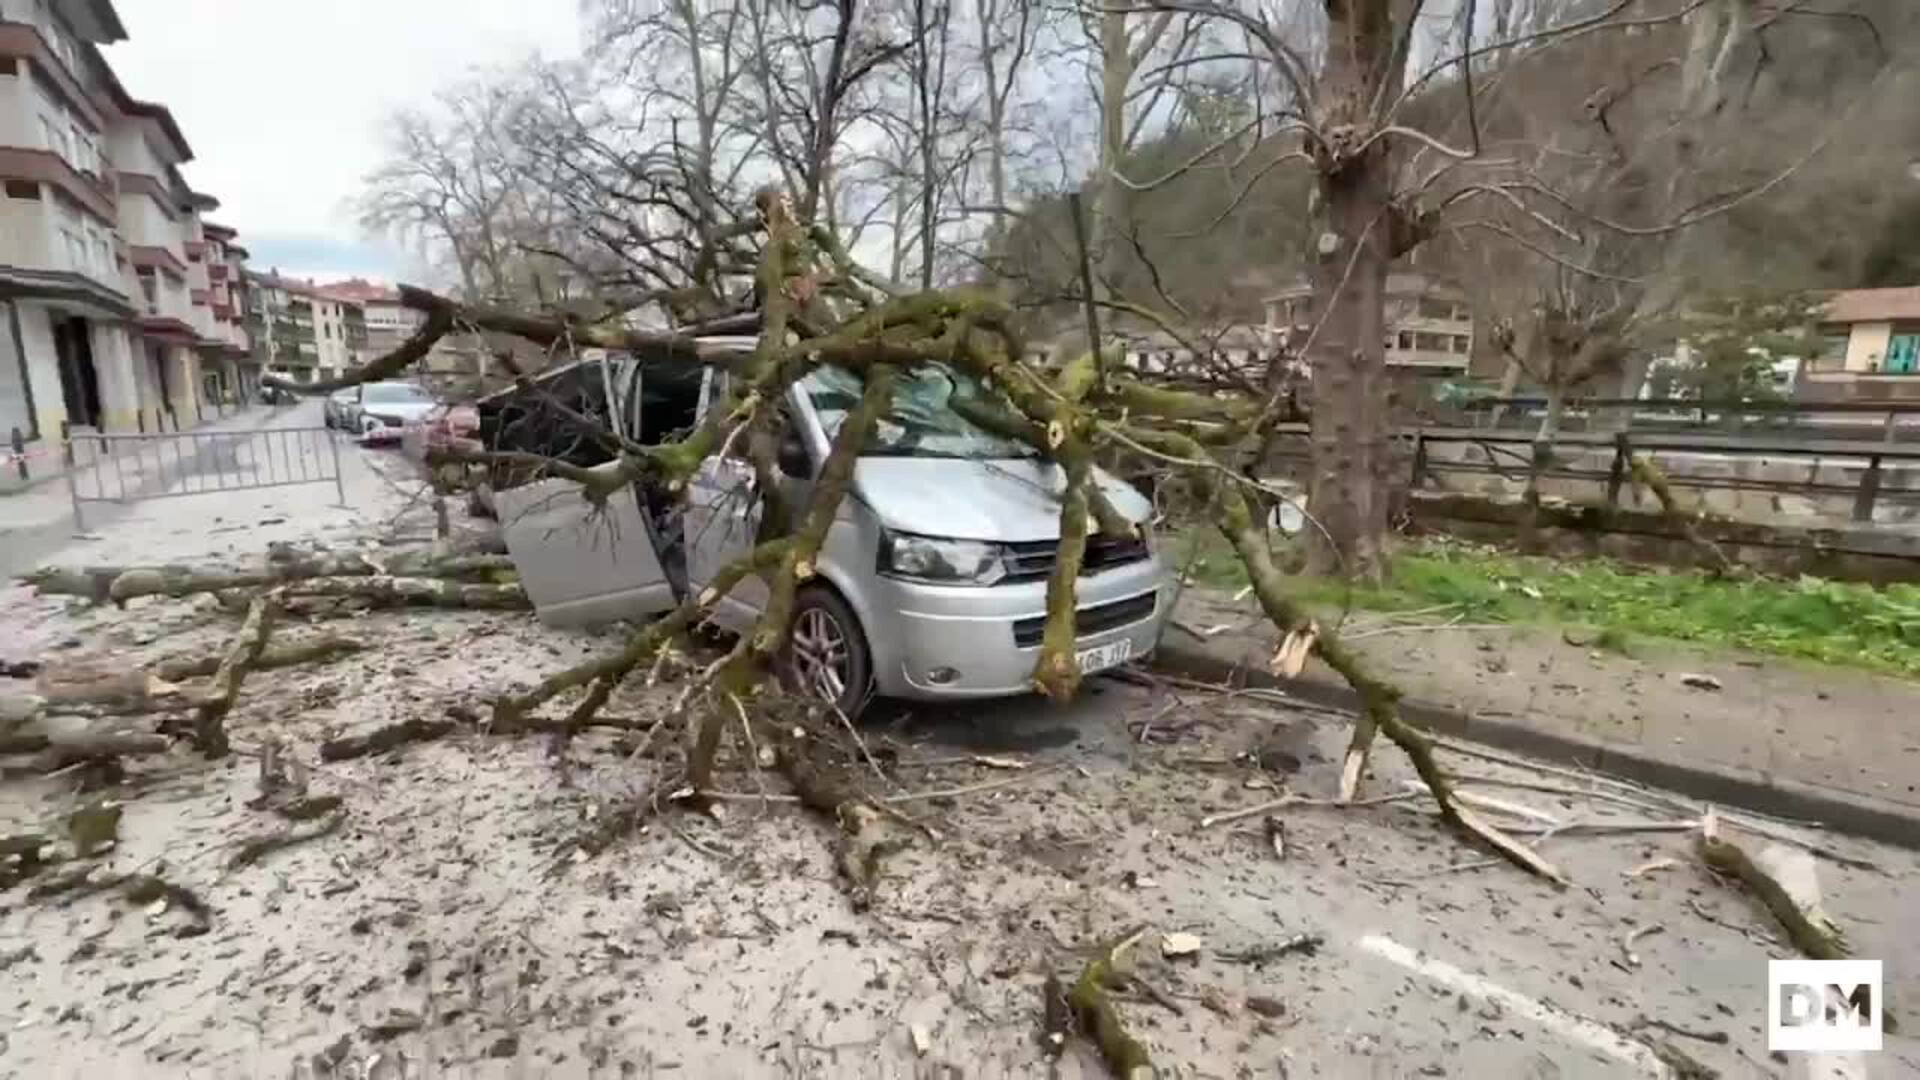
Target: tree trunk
{"x": 1351, "y": 400}
{"x": 1556, "y": 406}
{"x": 1352, "y": 397}
{"x": 1110, "y": 211}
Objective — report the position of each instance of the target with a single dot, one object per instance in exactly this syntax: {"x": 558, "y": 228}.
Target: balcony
{"x": 47, "y": 167}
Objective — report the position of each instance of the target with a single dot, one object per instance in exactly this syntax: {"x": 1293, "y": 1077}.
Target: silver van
{"x": 931, "y": 583}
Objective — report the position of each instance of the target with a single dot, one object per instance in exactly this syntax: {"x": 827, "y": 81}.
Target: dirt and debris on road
{"x": 437, "y": 915}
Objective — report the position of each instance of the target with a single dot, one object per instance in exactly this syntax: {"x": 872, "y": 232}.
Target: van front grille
{"x": 1032, "y": 560}
{"x": 1088, "y": 621}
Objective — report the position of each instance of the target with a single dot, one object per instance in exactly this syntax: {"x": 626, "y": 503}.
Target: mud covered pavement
{"x": 444, "y": 920}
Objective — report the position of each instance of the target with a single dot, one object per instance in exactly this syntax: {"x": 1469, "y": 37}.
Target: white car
{"x": 386, "y": 409}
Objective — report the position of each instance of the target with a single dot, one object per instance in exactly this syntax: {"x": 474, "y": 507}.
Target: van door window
{"x": 668, "y": 402}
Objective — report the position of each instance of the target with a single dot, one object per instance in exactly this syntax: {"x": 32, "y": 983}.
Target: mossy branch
{"x": 1646, "y": 472}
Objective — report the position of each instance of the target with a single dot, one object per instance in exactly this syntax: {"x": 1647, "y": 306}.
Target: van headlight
{"x": 931, "y": 558}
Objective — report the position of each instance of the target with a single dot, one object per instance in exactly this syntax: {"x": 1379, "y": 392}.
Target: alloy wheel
{"x": 819, "y": 655}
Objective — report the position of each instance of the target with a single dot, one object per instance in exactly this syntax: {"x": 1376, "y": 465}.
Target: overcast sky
{"x": 283, "y": 102}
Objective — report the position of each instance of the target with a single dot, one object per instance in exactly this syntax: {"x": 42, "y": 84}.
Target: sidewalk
{"x": 1832, "y": 745}
{"x": 39, "y": 520}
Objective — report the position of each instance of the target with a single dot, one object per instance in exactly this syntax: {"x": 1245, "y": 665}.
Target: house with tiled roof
{"x": 1872, "y": 348}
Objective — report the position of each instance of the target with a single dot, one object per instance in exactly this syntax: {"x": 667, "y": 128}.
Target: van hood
{"x": 1006, "y": 499}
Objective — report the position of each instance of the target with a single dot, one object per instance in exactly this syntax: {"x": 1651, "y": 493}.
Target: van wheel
{"x": 826, "y": 655}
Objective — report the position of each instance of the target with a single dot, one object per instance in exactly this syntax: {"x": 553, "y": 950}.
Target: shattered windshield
{"x": 923, "y": 420}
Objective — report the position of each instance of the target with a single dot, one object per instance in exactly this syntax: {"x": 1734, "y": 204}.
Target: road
{"x": 451, "y": 924}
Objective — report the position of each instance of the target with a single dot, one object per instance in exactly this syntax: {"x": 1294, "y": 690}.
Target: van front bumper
{"x": 956, "y": 641}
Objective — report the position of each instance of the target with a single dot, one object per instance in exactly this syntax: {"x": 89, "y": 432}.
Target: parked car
{"x": 337, "y": 411}
{"x": 386, "y": 408}
{"x": 931, "y": 583}
{"x": 443, "y": 427}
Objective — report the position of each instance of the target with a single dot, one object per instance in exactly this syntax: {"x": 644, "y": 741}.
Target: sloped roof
{"x": 1874, "y": 305}
{"x": 361, "y": 291}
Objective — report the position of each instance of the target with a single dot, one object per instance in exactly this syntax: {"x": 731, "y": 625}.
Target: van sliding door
{"x": 723, "y": 518}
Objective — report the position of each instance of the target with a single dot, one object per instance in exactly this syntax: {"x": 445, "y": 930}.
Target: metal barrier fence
{"x": 127, "y": 468}
{"x": 1514, "y": 456}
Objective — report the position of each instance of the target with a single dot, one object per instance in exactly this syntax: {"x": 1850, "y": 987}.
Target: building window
{"x": 1903, "y": 353}
{"x": 1833, "y": 353}
{"x": 150, "y": 290}
{"x": 1462, "y": 343}
{"x": 1406, "y": 341}
{"x": 55, "y": 136}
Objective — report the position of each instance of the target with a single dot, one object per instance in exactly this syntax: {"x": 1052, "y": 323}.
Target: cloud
{"x": 284, "y": 102}
{"x": 323, "y": 257}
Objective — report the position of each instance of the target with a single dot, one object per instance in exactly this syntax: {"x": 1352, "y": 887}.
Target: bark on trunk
{"x": 412, "y": 592}
{"x": 209, "y": 721}
{"x": 1351, "y": 483}
{"x": 1352, "y": 451}
{"x": 323, "y": 647}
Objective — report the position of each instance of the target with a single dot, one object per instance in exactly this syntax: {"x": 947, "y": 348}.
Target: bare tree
{"x": 1399, "y": 150}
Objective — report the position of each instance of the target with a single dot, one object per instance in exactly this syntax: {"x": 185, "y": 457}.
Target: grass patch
{"x": 1827, "y": 621}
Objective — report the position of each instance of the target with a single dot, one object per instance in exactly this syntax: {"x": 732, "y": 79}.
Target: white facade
{"x": 114, "y": 314}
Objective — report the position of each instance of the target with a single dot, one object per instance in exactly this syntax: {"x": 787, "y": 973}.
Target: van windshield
{"x": 922, "y": 421}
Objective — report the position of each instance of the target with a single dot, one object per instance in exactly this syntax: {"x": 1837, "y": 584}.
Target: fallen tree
{"x": 815, "y": 310}
{"x": 121, "y": 584}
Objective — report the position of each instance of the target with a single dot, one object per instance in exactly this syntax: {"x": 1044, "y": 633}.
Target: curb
{"x": 1860, "y": 815}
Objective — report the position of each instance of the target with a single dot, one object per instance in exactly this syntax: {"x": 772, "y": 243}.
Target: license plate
{"x": 1102, "y": 657}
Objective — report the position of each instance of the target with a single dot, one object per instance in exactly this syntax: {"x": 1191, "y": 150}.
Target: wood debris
{"x": 1100, "y": 1020}
{"x": 1291, "y": 657}
{"x": 1651, "y": 867}
{"x": 255, "y": 848}
{"x": 1784, "y": 880}
{"x": 1178, "y": 945}
{"x": 1626, "y": 943}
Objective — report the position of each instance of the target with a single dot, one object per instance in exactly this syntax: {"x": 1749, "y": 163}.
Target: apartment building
{"x": 117, "y": 303}
{"x": 305, "y": 330}
{"x": 389, "y": 322}
{"x": 1429, "y": 323}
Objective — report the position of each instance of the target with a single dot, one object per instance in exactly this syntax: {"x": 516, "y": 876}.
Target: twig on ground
{"x": 379, "y": 740}
{"x": 1626, "y": 943}
{"x": 1211, "y": 820}
{"x": 259, "y": 847}
{"x": 971, "y": 789}
{"x": 1259, "y": 955}
{"x": 1603, "y": 828}
{"x": 277, "y": 655}
{"x": 1488, "y": 802}
{"x": 852, "y": 733}
{"x": 1424, "y": 627}
{"x": 746, "y": 796}
{"x": 1709, "y": 1035}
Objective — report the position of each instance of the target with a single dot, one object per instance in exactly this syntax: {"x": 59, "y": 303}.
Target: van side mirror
{"x": 792, "y": 457}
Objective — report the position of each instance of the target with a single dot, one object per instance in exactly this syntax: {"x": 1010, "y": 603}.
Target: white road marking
{"x": 1577, "y": 1029}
